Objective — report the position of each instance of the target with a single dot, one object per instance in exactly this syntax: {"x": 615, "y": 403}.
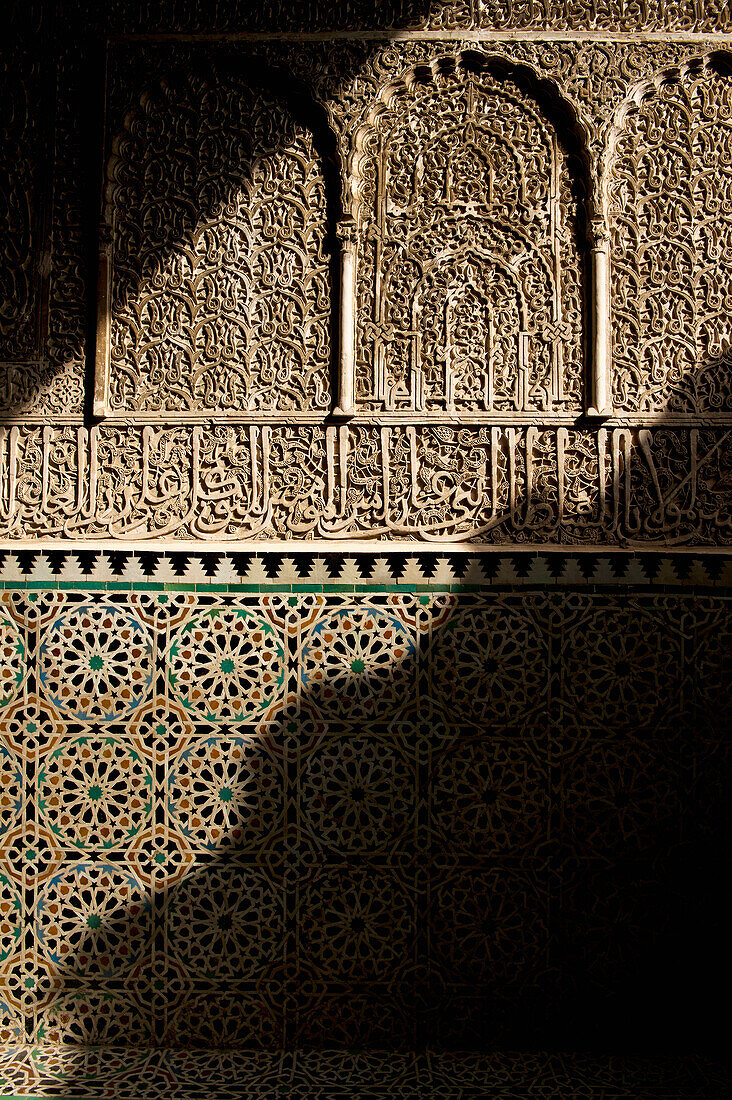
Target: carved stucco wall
{"x": 468, "y": 288}
{"x": 344, "y": 282}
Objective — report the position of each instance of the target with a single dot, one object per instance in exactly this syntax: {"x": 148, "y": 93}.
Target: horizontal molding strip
{"x": 392, "y": 419}
{"x": 338, "y": 574}
{"x": 361, "y": 572}
{"x": 407, "y": 548}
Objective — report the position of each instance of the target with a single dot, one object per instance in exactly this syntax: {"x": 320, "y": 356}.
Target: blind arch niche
{"x": 471, "y": 185}
{"x": 216, "y": 288}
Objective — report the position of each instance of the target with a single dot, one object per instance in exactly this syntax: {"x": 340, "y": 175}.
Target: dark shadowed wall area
{"x": 365, "y": 513}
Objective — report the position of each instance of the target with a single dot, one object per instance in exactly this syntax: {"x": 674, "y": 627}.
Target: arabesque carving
{"x": 218, "y": 270}
{"x": 357, "y": 291}
{"x": 670, "y": 195}
{"x": 469, "y": 293}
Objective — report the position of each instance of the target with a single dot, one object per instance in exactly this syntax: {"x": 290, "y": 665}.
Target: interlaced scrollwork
{"x": 670, "y": 191}
{"x": 220, "y": 287}
{"x": 469, "y": 296}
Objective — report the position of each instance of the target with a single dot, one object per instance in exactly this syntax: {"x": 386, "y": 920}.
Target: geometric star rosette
{"x": 225, "y": 921}
{"x": 159, "y": 856}
{"x": 621, "y": 667}
{"x": 96, "y": 662}
{"x": 489, "y": 664}
{"x": 225, "y": 791}
{"x": 93, "y": 920}
{"x": 30, "y": 854}
{"x": 160, "y": 728}
{"x": 95, "y": 792}
{"x": 93, "y": 1016}
{"x": 355, "y": 924}
{"x": 32, "y": 725}
{"x": 357, "y": 792}
{"x": 226, "y": 664}
{"x": 358, "y": 663}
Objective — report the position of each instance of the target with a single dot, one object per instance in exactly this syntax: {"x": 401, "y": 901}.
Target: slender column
{"x": 102, "y": 350}
{"x": 347, "y": 322}
{"x": 600, "y": 403}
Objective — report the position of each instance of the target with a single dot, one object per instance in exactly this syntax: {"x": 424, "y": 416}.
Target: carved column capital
{"x": 599, "y": 235}
{"x": 347, "y": 233}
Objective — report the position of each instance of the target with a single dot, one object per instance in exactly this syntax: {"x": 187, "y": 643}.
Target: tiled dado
{"x": 340, "y": 817}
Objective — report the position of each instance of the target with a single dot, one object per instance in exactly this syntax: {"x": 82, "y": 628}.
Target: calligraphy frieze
{"x": 424, "y": 483}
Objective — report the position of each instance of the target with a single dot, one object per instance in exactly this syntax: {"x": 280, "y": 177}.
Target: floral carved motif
{"x": 220, "y": 294}
{"x": 670, "y": 191}
{"x": 469, "y": 295}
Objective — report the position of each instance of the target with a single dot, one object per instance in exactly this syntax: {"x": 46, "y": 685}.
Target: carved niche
{"x": 470, "y": 287}
{"x": 217, "y": 263}
{"x": 670, "y": 200}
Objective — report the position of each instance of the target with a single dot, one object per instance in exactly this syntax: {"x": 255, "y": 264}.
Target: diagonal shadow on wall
{"x": 516, "y": 894}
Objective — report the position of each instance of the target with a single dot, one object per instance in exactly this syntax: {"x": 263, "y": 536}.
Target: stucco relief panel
{"x": 355, "y": 293}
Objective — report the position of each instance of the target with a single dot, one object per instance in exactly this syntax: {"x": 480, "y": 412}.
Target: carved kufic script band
{"x": 497, "y": 485}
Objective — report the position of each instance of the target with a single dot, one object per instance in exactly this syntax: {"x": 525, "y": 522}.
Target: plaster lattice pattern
{"x": 417, "y": 795}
